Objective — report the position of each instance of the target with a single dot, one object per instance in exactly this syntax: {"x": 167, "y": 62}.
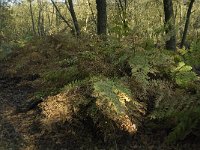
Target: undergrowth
{"x": 116, "y": 85}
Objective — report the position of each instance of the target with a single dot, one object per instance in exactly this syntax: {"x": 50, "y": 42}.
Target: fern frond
{"x": 75, "y": 84}
{"x": 177, "y": 105}
{"x": 114, "y": 99}
{"x": 188, "y": 121}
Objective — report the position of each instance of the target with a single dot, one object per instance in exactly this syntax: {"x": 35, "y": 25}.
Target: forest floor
{"x": 22, "y": 130}
{"x": 20, "y": 116}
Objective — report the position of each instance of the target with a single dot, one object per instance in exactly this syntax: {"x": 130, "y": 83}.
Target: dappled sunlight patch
{"x": 56, "y": 109}
{"x": 127, "y": 124}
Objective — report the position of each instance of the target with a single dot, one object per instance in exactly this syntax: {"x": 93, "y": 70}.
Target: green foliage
{"x": 6, "y": 19}
{"x": 188, "y": 122}
{"x": 108, "y": 101}
{"x": 193, "y": 55}
{"x": 63, "y": 76}
{"x": 108, "y": 90}
{"x": 89, "y": 55}
{"x": 185, "y": 78}
{"x": 68, "y": 62}
{"x": 75, "y": 85}
{"x": 178, "y": 107}
{"x": 5, "y": 49}
{"x": 183, "y": 74}
{"x": 47, "y": 92}
{"x": 160, "y": 64}
{"x": 147, "y": 63}
{"x": 140, "y": 67}
{"x": 116, "y": 102}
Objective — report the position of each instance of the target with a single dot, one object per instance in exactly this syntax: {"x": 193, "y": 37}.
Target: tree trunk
{"x": 169, "y": 25}
{"x": 187, "y": 23}
{"x": 74, "y": 18}
{"x": 122, "y": 6}
{"x": 32, "y": 18}
{"x": 39, "y": 19}
{"x": 41, "y": 31}
{"x": 101, "y": 17}
{"x": 42, "y": 25}
{"x": 93, "y": 16}
{"x": 61, "y": 16}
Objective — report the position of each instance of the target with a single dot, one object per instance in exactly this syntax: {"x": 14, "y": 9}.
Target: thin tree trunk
{"x": 41, "y": 30}
{"x": 39, "y": 19}
{"x": 49, "y": 18}
{"x": 32, "y": 18}
{"x": 101, "y": 17}
{"x": 169, "y": 25}
{"x": 42, "y": 25}
{"x": 74, "y": 18}
{"x": 61, "y": 16}
{"x": 187, "y": 23}
{"x": 93, "y": 16}
{"x": 123, "y": 12}
{"x": 52, "y": 15}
